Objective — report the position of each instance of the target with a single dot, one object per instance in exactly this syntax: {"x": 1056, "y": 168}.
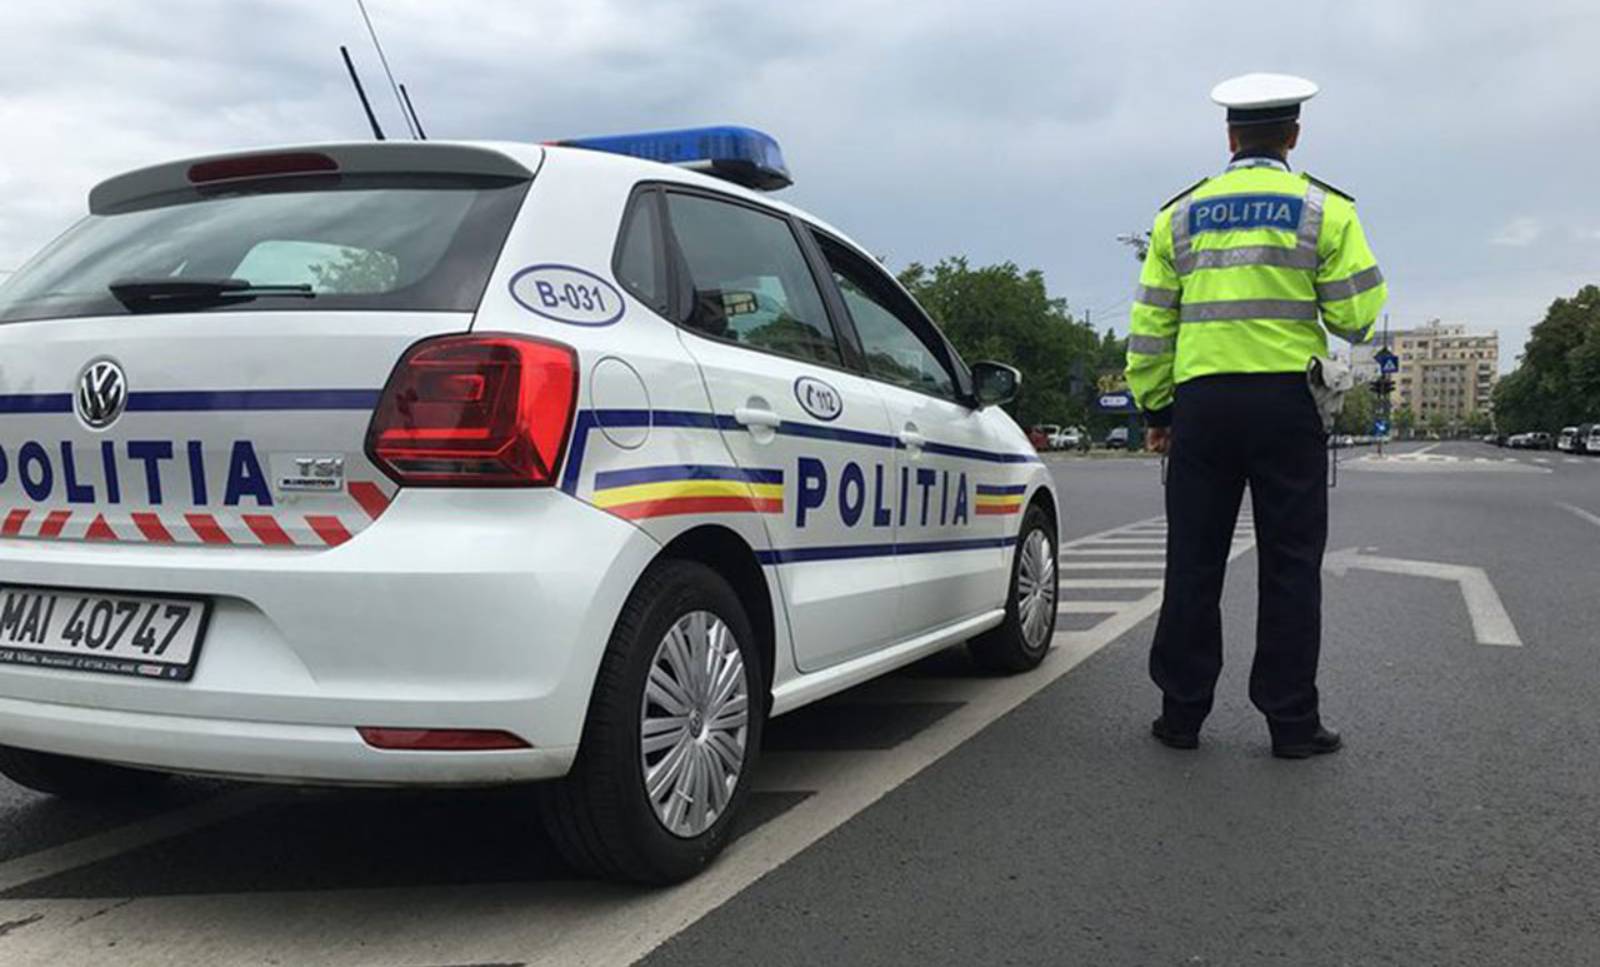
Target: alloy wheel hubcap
{"x": 1036, "y": 588}
{"x": 694, "y": 721}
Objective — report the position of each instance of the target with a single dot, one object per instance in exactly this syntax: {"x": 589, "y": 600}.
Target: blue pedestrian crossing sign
{"x": 1388, "y": 362}
{"x": 1380, "y": 427}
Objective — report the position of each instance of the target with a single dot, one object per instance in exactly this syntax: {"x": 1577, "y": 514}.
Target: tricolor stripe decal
{"x": 644, "y": 492}
{"x": 997, "y": 499}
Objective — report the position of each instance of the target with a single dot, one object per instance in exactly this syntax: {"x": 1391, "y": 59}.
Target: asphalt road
{"x": 939, "y": 817}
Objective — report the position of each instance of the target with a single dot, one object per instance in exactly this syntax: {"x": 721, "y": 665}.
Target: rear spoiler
{"x": 362, "y": 157}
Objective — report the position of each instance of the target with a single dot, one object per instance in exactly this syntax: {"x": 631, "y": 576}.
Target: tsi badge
{"x": 309, "y": 473}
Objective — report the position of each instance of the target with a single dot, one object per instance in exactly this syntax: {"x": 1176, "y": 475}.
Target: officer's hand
{"x": 1158, "y": 438}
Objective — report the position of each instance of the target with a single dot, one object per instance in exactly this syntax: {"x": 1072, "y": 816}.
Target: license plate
{"x": 93, "y": 631}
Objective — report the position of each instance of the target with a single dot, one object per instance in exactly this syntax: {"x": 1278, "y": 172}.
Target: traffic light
{"x": 1381, "y": 387}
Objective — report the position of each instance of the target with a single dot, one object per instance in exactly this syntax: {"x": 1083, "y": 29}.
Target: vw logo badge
{"x": 102, "y": 394}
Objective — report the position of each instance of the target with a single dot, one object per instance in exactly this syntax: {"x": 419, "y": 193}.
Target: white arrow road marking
{"x": 1490, "y": 622}
{"x": 1591, "y": 518}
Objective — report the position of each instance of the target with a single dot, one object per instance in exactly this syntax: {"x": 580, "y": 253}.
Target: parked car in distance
{"x": 1117, "y": 439}
{"x": 1066, "y": 438}
{"x": 1050, "y": 432}
{"x": 1588, "y": 439}
{"x": 1039, "y": 438}
{"x": 1567, "y": 440}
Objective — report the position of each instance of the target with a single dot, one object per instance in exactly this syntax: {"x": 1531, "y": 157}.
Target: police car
{"x": 467, "y": 463}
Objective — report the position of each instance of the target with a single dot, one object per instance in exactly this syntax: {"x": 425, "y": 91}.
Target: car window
{"x": 341, "y": 269}
{"x": 403, "y": 242}
{"x": 640, "y": 267}
{"x": 752, "y": 284}
{"x": 892, "y": 331}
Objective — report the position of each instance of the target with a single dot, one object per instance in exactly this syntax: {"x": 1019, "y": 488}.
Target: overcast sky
{"x": 1034, "y": 132}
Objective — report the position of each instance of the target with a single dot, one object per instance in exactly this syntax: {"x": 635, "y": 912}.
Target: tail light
{"x": 490, "y": 410}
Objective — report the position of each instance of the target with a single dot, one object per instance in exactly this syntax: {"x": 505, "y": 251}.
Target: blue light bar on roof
{"x": 743, "y": 156}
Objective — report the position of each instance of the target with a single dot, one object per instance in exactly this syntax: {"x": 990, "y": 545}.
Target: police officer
{"x": 1246, "y": 274}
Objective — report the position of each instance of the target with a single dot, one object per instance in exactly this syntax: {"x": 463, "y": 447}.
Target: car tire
{"x": 603, "y": 817}
{"x": 69, "y": 777}
{"x": 1021, "y": 641}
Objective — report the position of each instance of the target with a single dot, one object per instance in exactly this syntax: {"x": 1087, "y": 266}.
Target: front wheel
{"x": 1022, "y": 639}
{"x": 672, "y": 736}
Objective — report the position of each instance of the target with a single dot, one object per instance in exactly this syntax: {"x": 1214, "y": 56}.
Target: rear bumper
{"x": 481, "y": 610}
{"x": 269, "y": 751}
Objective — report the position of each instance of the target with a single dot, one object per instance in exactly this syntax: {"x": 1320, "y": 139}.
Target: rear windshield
{"x": 413, "y": 242}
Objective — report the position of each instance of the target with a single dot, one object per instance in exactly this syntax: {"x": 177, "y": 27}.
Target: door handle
{"x": 912, "y": 438}
{"x": 753, "y": 417}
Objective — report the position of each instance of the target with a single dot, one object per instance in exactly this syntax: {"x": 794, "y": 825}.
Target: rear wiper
{"x": 158, "y": 291}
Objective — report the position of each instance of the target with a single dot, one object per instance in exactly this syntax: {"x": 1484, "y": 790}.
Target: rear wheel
{"x": 673, "y": 732}
{"x": 73, "y": 778}
{"x": 1022, "y": 639}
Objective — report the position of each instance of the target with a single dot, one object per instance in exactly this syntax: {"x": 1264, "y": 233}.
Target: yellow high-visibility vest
{"x": 1246, "y": 273}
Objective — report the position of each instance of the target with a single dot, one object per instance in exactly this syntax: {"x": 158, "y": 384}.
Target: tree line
{"x": 1557, "y": 381}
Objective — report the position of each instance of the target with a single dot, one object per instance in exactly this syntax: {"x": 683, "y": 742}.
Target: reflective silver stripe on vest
{"x": 1273, "y": 255}
{"x": 1311, "y": 224}
{"x": 1353, "y": 338}
{"x": 1182, "y": 244}
{"x": 1160, "y": 298}
{"x": 1151, "y": 345}
{"x": 1234, "y": 310}
{"x": 1351, "y": 287}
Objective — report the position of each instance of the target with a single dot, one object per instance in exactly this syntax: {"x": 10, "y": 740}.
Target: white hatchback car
{"x": 458, "y": 463}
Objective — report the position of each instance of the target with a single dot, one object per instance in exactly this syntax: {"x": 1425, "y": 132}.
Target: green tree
{"x": 1360, "y": 407}
{"x": 1557, "y": 382}
{"x": 1404, "y": 423}
{"x": 1003, "y": 313}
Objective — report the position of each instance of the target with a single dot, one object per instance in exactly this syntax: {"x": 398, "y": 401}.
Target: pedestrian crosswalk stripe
{"x": 1111, "y": 583}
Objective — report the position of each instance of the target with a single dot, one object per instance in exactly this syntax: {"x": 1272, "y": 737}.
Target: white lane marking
{"x": 1110, "y": 565}
{"x": 1491, "y": 624}
{"x": 92, "y": 849}
{"x": 1541, "y": 459}
{"x": 1094, "y": 607}
{"x": 1111, "y": 551}
{"x": 1110, "y": 583}
{"x": 1591, "y": 518}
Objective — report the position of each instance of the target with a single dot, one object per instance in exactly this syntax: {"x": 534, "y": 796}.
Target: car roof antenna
{"x": 366, "y": 105}
{"x": 416, "y": 122}
{"x": 384, "y": 60}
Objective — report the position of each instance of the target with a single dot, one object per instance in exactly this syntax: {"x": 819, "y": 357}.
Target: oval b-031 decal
{"x": 818, "y": 398}
{"x": 567, "y": 294}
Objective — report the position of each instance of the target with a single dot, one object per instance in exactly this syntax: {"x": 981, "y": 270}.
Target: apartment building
{"x": 1445, "y": 371}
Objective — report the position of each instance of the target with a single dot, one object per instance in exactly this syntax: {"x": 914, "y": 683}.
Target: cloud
{"x": 1518, "y": 233}
{"x": 1016, "y": 129}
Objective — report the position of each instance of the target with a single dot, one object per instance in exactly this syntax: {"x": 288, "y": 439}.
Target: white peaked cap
{"x": 1263, "y": 98}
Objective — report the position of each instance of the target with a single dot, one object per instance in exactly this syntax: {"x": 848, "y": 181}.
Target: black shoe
{"x": 1173, "y": 738}
{"x": 1323, "y": 742}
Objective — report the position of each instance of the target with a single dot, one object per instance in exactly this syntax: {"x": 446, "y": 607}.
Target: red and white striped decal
{"x": 216, "y": 529}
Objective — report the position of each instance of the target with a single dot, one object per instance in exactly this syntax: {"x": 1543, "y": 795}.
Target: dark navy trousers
{"x": 1230, "y": 432}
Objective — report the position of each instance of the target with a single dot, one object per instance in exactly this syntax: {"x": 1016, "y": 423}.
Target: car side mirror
{"x": 994, "y": 383}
